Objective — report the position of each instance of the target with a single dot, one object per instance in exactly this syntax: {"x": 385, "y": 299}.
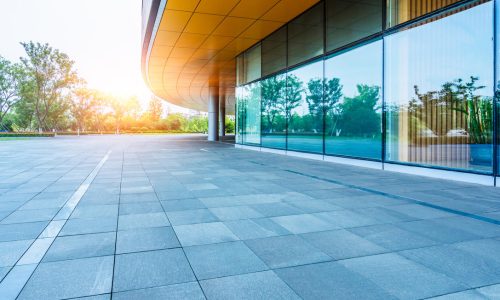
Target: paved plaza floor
{"x": 177, "y": 217}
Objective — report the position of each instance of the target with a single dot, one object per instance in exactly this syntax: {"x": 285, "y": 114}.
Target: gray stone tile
{"x": 192, "y": 216}
{"x": 490, "y": 292}
{"x": 85, "y": 226}
{"x": 286, "y": 251}
{"x": 330, "y": 280}
{"x": 151, "y": 269}
{"x": 81, "y": 246}
{"x": 97, "y": 297}
{"x": 223, "y": 259}
{"x": 141, "y": 197}
{"x": 392, "y": 238}
{"x": 262, "y": 285}
{"x": 401, "y": 277}
{"x": 346, "y": 219}
{"x": 255, "y": 228}
{"x": 465, "y": 295}
{"x": 21, "y": 231}
{"x": 313, "y": 205}
{"x": 10, "y": 252}
{"x": 204, "y": 233}
{"x": 95, "y": 211}
{"x": 304, "y": 223}
{"x": 145, "y": 239}
{"x": 142, "y": 221}
{"x": 184, "y": 204}
{"x": 342, "y": 244}
{"x": 470, "y": 269}
{"x": 28, "y": 216}
{"x": 235, "y": 213}
{"x": 437, "y": 231}
{"x": 201, "y": 186}
{"x": 70, "y": 279}
{"x": 276, "y": 209}
{"x": 3, "y": 272}
{"x": 188, "y": 291}
{"x": 140, "y": 208}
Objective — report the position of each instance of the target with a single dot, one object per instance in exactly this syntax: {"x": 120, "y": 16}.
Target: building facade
{"x": 404, "y": 85}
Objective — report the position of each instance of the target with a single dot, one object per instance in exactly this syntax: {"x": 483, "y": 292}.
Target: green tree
{"x": 155, "y": 109}
{"x": 83, "y": 106}
{"x": 52, "y": 76}
{"x": 12, "y": 77}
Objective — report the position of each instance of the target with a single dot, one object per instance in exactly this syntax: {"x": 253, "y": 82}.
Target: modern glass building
{"x": 404, "y": 85}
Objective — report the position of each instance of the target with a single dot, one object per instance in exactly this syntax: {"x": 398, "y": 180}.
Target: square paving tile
{"x": 255, "y": 228}
{"x": 81, "y": 246}
{"x": 85, "y": 226}
{"x": 304, "y": 223}
{"x": 223, "y": 259}
{"x": 392, "y": 237}
{"x": 10, "y": 252}
{"x": 401, "y": 277}
{"x": 286, "y": 251}
{"x": 468, "y": 268}
{"x": 201, "y": 186}
{"x": 140, "y": 208}
{"x": 28, "y": 216}
{"x": 21, "y": 231}
{"x": 276, "y": 209}
{"x": 204, "y": 233}
{"x": 342, "y": 244}
{"x": 151, "y": 269}
{"x": 187, "y": 291}
{"x": 235, "y": 213}
{"x": 141, "y": 197}
{"x": 330, "y": 280}
{"x": 145, "y": 239}
{"x": 142, "y": 221}
{"x": 184, "y": 204}
{"x": 70, "y": 279}
{"x": 262, "y": 285}
{"x": 95, "y": 211}
{"x": 192, "y": 216}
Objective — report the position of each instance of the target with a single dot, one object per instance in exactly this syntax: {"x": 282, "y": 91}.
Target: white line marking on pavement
{"x": 13, "y": 283}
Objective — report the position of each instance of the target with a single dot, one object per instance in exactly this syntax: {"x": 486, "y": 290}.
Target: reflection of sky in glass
{"x": 458, "y": 46}
{"x": 359, "y": 66}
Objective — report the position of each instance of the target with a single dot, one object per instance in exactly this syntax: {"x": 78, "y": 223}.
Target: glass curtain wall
{"x": 304, "y": 90}
{"x": 273, "y": 92}
{"x": 353, "y": 102}
{"x": 438, "y": 91}
{"x": 437, "y": 86}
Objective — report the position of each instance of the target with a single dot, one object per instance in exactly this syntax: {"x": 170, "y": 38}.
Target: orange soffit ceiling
{"x": 196, "y": 42}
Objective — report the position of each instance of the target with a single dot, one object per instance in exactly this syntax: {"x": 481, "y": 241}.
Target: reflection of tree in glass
{"x": 359, "y": 113}
{"x": 455, "y": 107}
{"x": 294, "y": 90}
{"x": 273, "y": 101}
{"x": 332, "y": 96}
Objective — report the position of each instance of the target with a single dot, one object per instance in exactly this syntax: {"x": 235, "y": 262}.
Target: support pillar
{"x": 222, "y": 115}
{"x": 213, "y": 115}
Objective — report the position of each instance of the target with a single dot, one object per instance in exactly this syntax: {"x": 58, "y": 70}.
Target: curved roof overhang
{"x": 190, "y": 45}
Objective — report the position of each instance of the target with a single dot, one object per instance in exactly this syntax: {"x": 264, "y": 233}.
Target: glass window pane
{"x": 350, "y": 20}
{"x": 250, "y": 97}
{"x": 305, "y": 108}
{"x": 353, "y": 102}
{"x": 274, "y": 112}
{"x": 274, "y": 52}
{"x": 305, "y": 36}
{"x": 252, "y": 64}
{"x": 438, "y": 91}
{"x": 400, "y": 11}
{"x": 240, "y": 70}
{"x": 240, "y": 112}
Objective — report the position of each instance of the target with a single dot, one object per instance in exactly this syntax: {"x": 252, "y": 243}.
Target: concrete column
{"x": 222, "y": 115}
{"x": 213, "y": 115}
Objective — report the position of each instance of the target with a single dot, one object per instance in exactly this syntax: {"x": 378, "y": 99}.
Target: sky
{"x": 103, "y": 37}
